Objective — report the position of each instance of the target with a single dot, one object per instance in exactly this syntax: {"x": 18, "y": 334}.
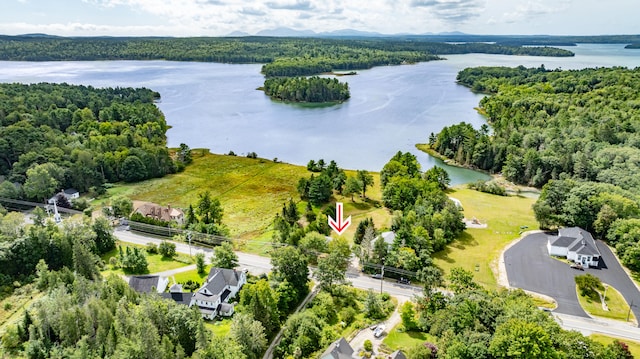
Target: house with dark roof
{"x": 213, "y": 297}
{"x": 70, "y": 194}
{"x": 398, "y": 354}
{"x": 340, "y": 349}
{"x": 576, "y": 245}
{"x": 177, "y": 295}
{"x": 148, "y": 283}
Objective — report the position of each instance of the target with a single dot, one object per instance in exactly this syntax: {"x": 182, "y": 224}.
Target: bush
{"x": 252, "y": 155}
{"x": 231, "y": 153}
{"x": 368, "y": 346}
{"x": 152, "y": 248}
{"x": 7, "y": 306}
{"x": 113, "y": 262}
{"x": 488, "y": 187}
{"x": 167, "y": 249}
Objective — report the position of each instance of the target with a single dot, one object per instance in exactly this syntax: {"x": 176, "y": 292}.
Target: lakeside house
{"x": 576, "y": 245}
{"x": 158, "y": 212}
{"x": 212, "y": 299}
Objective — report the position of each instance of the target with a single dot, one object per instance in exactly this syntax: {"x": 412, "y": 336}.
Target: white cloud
{"x": 531, "y": 9}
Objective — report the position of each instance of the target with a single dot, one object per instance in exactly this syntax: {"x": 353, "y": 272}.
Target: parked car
{"x": 577, "y": 266}
{"x": 377, "y": 276}
{"x": 403, "y": 280}
{"x": 379, "y": 330}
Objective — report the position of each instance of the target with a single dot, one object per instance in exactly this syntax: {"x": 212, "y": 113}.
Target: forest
{"x": 301, "y": 89}
{"x": 56, "y": 136}
{"x": 575, "y": 134}
{"x": 282, "y": 56}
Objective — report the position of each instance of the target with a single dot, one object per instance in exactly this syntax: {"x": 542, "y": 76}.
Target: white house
{"x": 576, "y": 245}
{"x": 213, "y": 297}
{"x": 70, "y": 194}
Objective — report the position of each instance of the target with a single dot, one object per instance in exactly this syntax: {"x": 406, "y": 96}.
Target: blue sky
{"x": 220, "y": 17}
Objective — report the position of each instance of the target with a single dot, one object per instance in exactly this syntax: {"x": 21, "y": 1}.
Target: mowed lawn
{"x": 634, "y": 347}
{"x": 477, "y": 250}
{"x": 251, "y": 191}
{"x": 618, "y": 307}
{"x": 156, "y": 262}
{"x": 407, "y": 340}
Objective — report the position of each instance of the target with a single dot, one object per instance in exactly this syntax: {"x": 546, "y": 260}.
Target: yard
{"x": 618, "y": 307}
{"x": 156, "y": 262}
{"x": 634, "y": 347}
{"x": 406, "y": 340}
{"x": 477, "y": 250}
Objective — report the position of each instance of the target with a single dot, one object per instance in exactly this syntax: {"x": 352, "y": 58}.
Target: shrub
{"x": 152, "y": 248}
{"x": 488, "y": 187}
{"x": 167, "y": 249}
{"x": 113, "y": 262}
{"x": 368, "y": 346}
{"x": 231, "y": 153}
{"x": 7, "y": 306}
{"x": 252, "y": 155}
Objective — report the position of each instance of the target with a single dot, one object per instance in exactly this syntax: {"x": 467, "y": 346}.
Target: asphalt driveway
{"x": 530, "y": 267}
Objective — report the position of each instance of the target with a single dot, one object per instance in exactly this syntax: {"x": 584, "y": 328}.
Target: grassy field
{"x": 156, "y": 262}
{"x": 634, "y": 347}
{"x": 477, "y": 250}
{"x": 12, "y": 307}
{"x": 618, "y": 307}
{"x": 251, "y": 191}
{"x": 406, "y": 340}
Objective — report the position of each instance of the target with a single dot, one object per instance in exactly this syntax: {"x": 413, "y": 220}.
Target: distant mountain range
{"x": 288, "y": 32}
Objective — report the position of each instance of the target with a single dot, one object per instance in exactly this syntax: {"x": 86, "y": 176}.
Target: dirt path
{"x": 357, "y": 343}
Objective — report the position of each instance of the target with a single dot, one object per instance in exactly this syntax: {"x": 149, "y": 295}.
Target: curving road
{"x": 258, "y": 265}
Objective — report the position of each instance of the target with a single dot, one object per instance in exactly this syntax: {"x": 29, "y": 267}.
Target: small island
{"x": 302, "y": 89}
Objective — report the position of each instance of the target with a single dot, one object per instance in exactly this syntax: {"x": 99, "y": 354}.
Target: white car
{"x": 379, "y": 330}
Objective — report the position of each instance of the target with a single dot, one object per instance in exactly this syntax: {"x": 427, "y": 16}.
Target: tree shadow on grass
{"x": 463, "y": 241}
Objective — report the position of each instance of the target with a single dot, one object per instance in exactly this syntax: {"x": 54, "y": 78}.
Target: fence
{"x": 196, "y": 237}
{"x": 22, "y": 205}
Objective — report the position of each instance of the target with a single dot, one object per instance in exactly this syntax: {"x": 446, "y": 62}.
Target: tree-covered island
{"x": 302, "y": 89}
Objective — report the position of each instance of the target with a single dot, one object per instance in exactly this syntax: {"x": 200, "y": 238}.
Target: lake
{"x": 392, "y": 108}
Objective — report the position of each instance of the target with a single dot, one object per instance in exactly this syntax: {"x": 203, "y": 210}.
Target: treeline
{"x": 424, "y": 219}
{"x": 301, "y": 89}
{"x": 55, "y": 136}
{"x": 632, "y": 46}
{"x": 580, "y": 124}
{"x": 297, "y": 56}
{"x": 574, "y": 133}
{"x": 474, "y": 323}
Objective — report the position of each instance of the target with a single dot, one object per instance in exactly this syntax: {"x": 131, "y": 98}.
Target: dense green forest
{"x": 574, "y": 133}
{"x": 55, "y": 136}
{"x": 283, "y": 56}
{"x": 301, "y": 89}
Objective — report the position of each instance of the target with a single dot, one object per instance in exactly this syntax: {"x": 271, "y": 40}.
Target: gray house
{"x": 576, "y": 245}
{"x": 148, "y": 283}
{"x": 340, "y": 349}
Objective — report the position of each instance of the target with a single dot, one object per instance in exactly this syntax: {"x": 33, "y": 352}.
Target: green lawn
{"x": 618, "y": 307}
{"x": 192, "y": 275}
{"x": 634, "y": 347}
{"x": 477, "y": 250}
{"x": 406, "y": 340}
{"x": 220, "y": 328}
{"x": 156, "y": 262}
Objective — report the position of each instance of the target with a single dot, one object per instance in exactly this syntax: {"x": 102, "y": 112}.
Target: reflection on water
{"x": 217, "y": 106}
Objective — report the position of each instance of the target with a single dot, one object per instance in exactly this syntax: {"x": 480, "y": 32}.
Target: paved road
{"x": 530, "y": 267}
{"x": 588, "y": 326}
{"x": 253, "y": 263}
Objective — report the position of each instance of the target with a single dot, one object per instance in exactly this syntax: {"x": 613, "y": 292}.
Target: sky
{"x": 221, "y": 17}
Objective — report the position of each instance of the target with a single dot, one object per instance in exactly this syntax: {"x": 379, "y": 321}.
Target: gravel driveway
{"x": 530, "y": 267}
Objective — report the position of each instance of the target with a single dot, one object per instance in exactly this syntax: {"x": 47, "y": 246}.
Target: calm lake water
{"x": 217, "y": 106}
